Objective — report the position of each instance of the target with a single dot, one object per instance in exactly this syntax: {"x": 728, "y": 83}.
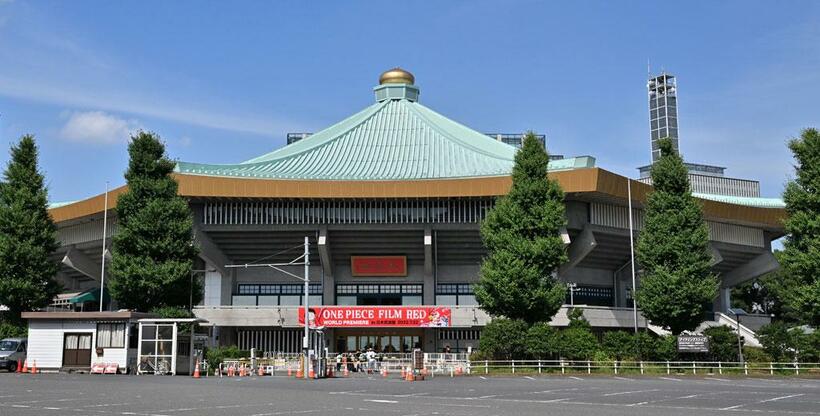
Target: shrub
{"x": 504, "y": 338}
{"x": 756, "y": 355}
{"x": 777, "y": 341}
{"x": 542, "y": 341}
{"x": 722, "y": 343}
{"x": 216, "y": 356}
{"x": 578, "y": 343}
{"x": 666, "y": 348}
{"x": 618, "y": 345}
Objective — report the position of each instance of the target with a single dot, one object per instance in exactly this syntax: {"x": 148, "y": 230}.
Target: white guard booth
{"x": 81, "y": 341}
{"x": 166, "y": 345}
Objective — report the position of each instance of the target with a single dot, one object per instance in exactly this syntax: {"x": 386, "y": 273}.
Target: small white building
{"x": 74, "y": 341}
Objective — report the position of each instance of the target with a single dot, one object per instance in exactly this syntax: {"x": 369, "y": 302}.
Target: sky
{"x": 222, "y": 82}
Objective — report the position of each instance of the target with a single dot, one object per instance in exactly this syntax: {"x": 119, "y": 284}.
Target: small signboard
{"x": 418, "y": 359}
{"x": 693, "y": 343}
{"x": 376, "y": 266}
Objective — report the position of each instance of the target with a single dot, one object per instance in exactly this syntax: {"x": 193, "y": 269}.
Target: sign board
{"x": 693, "y": 343}
{"x": 377, "y": 316}
{"x": 370, "y": 266}
{"x": 418, "y": 359}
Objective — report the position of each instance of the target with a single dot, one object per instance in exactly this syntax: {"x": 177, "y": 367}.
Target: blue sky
{"x": 222, "y": 82}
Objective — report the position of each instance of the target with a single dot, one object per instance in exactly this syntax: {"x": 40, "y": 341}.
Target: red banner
{"x": 377, "y": 316}
{"x": 364, "y": 266}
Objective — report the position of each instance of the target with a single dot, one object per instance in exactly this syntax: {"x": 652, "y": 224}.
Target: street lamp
{"x": 738, "y": 312}
{"x": 572, "y": 288}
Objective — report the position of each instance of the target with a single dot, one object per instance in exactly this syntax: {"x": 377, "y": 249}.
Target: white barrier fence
{"x": 642, "y": 367}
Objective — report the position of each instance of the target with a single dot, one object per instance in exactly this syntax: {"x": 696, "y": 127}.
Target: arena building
{"x": 391, "y": 199}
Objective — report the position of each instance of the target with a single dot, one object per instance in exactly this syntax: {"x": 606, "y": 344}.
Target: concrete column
{"x": 326, "y": 259}
{"x": 213, "y": 289}
{"x": 724, "y": 300}
{"x": 429, "y": 268}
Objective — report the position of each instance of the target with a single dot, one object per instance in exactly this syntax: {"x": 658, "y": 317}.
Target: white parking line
{"x": 628, "y": 392}
{"x": 715, "y": 378}
{"x": 482, "y": 377}
{"x": 623, "y": 378}
{"x": 763, "y": 401}
{"x": 529, "y": 378}
{"x": 670, "y": 378}
{"x": 576, "y": 378}
{"x": 380, "y": 401}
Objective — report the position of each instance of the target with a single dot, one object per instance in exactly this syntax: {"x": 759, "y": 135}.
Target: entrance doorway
{"x": 77, "y": 350}
{"x": 383, "y": 341}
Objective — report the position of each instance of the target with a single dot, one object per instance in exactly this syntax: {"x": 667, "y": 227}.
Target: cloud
{"x": 97, "y": 127}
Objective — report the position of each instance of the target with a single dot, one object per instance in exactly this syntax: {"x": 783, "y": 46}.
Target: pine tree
{"x": 153, "y": 251}
{"x": 677, "y": 283}
{"x": 523, "y": 240}
{"x": 801, "y": 251}
{"x": 27, "y": 235}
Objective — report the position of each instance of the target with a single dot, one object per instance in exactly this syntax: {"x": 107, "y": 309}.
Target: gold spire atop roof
{"x": 397, "y": 76}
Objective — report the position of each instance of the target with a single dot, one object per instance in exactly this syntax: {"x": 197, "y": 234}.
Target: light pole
{"x": 102, "y": 256}
{"x": 738, "y": 312}
{"x": 572, "y": 288}
{"x": 632, "y": 255}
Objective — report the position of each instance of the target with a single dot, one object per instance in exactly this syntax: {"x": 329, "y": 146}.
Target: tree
{"x": 153, "y": 250}
{"x": 778, "y": 341}
{"x": 677, "y": 283}
{"x": 522, "y": 236}
{"x": 503, "y": 338}
{"x": 618, "y": 344}
{"x": 577, "y": 342}
{"x": 801, "y": 250}
{"x": 27, "y": 235}
{"x": 767, "y": 295}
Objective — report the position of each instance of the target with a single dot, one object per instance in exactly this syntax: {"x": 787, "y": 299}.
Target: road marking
{"x": 482, "y": 377}
{"x": 529, "y": 378}
{"x": 623, "y": 378}
{"x": 487, "y": 397}
{"x": 380, "y": 401}
{"x": 763, "y": 401}
{"x": 670, "y": 378}
{"x": 715, "y": 378}
{"x": 628, "y": 392}
{"x": 576, "y": 378}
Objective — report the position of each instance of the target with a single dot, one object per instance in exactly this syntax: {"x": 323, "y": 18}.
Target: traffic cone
{"x": 300, "y": 372}
{"x": 403, "y": 373}
{"x": 311, "y": 373}
{"x": 459, "y": 371}
{"x": 409, "y": 375}
{"x": 196, "y": 370}
{"x": 34, "y": 367}
{"x": 261, "y": 371}
{"x": 25, "y": 366}
{"x": 330, "y": 371}
{"x": 346, "y": 372}
{"x": 384, "y": 371}
{"x": 230, "y": 371}
{"x": 19, "y": 366}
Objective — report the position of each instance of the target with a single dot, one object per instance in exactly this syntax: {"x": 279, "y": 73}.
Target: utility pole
{"x": 305, "y": 342}
{"x": 102, "y": 257}
{"x": 632, "y": 256}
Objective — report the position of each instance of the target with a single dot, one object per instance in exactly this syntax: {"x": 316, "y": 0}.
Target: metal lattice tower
{"x": 663, "y": 111}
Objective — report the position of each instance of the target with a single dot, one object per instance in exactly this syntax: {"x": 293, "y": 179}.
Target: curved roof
{"x": 396, "y": 139}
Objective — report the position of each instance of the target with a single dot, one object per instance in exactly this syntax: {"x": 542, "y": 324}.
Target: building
{"x": 391, "y": 199}
{"x": 662, "y": 91}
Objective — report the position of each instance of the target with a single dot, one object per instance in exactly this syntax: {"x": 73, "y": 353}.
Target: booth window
{"x": 111, "y": 335}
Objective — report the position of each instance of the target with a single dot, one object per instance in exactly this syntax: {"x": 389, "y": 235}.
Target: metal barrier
{"x": 643, "y": 367}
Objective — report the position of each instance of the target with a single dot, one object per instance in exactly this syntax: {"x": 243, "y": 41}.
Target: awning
{"x": 90, "y": 295}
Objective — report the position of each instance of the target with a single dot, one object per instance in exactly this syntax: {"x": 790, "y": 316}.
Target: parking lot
{"x": 77, "y": 394}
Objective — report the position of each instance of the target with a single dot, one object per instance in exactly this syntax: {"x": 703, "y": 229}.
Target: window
{"x": 455, "y": 294}
{"x": 111, "y": 335}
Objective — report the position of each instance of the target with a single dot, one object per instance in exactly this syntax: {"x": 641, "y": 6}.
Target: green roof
{"x": 741, "y": 200}
{"x": 394, "y": 139}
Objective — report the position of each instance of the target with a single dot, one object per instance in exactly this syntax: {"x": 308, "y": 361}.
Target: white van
{"x": 12, "y": 351}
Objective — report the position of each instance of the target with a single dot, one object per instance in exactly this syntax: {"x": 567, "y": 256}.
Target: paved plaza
{"x": 64, "y": 394}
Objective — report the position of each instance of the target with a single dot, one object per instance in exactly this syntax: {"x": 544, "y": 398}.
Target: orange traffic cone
{"x": 403, "y": 374}
{"x": 261, "y": 371}
{"x": 300, "y": 372}
{"x": 409, "y": 375}
{"x": 230, "y": 371}
{"x": 384, "y": 371}
{"x": 459, "y": 371}
{"x": 34, "y": 367}
{"x": 19, "y": 366}
{"x": 311, "y": 373}
{"x": 330, "y": 371}
{"x": 346, "y": 372}
{"x": 25, "y": 366}
{"x": 196, "y": 370}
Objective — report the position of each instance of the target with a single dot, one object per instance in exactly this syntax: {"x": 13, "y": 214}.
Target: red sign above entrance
{"x": 364, "y": 266}
{"x": 377, "y": 316}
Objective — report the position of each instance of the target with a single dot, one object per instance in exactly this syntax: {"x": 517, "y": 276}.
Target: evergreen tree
{"x": 677, "y": 283}
{"x": 801, "y": 251}
{"x": 27, "y": 235}
{"x": 153, "y": 250}
{"x": 522, "y": 235}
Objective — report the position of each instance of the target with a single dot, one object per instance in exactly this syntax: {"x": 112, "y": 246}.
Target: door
{"x": 77, "y": 350}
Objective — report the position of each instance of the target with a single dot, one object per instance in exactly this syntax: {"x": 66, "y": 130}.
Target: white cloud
{"x": 97, "y": 127}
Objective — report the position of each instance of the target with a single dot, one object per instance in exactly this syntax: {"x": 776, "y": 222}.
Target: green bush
{"x": 542, "y": 341}
{"x": 216, "y": 356}
{"x": 578, "y": 343}
{"x": 722, "y": 343}
{"x": 618, "y": 345}
{"x": 666, "y": 348}
{"x": 504, "y": 339}
{"x": 8, "y": 330}
{"x": 778, "y": 342}
{"x": 756, "y": 355}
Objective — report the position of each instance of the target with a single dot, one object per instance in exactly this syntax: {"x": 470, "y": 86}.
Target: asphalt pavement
{"x": 80, "y": 394}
